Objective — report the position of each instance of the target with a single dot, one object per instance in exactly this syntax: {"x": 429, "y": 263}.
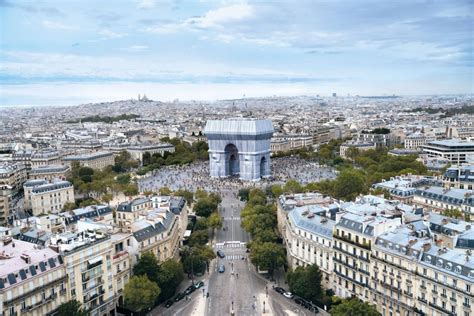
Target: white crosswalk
{"x": 232, "y": 257}
{"x": 233, "y": 218}
{"x": 233, "y": 244}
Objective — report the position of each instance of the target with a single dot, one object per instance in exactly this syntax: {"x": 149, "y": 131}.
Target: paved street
{"x": 240, "y": 288}
{"x": 235, "y": 289}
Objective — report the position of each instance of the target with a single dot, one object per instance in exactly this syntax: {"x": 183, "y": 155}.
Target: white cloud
{"x": 54, "y": 25}
{"x": 108, "y": 34}
{"x": 223, "y": 15}
{"x": 26, "y": 64}
{"x": 212, "y": 19}
{"x": 146, "y": 4}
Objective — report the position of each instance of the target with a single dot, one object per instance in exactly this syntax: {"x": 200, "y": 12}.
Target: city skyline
{"x": 57, "y": 53}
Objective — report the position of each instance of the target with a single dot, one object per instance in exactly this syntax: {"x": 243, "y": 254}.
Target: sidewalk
{"x": 262, "y": 297}
{"x": 200, "y": 306}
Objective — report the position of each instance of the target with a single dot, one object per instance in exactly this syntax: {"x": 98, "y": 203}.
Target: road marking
{"x": 230, "y": 244}
{"x": 234, "y": 218}
{"x": 233, "y": 257}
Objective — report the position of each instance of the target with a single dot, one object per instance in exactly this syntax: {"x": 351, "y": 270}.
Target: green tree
{"x": 140, "y": 294}
{"x": 170, "y": 275}
{"x": 257, "y": 196}
{"x": 292, "y": 186}
{"x": 467, "y": 217}
{"x": 195, "y": 259}
{"x": 215, "y": 198}
{"x": 201, "y": 224}
{"x": 267, "y": 256}
{"x": 187, "y": 195}
{"x": 123, "y": 179}
{"x": 204, "y": 207}
{"x": 124, "y": 162}
{"x": 106, "y": 198}
{"x": 148, "y": 193}
{"x": 244, "y": 194}
{"x": 131, "y": 189}
{"x": 69, "y": 206}
{"x": 214, "y": 221}
{"x": 354, "y": 307}
{"x": 454, "y": 213}
{"x": 199, "y": 237}
{"x": 71, "y": 308}
{"x": 165, "y": 191}
{"x": 349, "y": 184}
{"x": 379, "y": 191}
{"x": 146, "y": 158}
{"x": 352, "y": 153}
{"x": 306, "y": 282}
{"x": 200, "y": 194}
{"x": 277, "y": 190}
{"x": 147, "y": 265}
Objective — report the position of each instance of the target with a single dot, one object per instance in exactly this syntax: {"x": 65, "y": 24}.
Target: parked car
{"x": 190, "y": 289}
{"x": 279, "y": 290}
{"x": 199, "y": 284}
{"x": 288, "y": 294}
{"x": 220, "y": 254}
{"x": 221, "y": 268}
{"x": 169, "y": 303}
{"x": 179, "y": 297}
{"x": 299, "y": 301}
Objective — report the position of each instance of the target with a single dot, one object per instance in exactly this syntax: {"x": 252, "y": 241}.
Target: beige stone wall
{"x": 51, "y": 202}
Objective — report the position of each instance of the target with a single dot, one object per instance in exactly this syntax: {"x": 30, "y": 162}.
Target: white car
{"x": 288, "y": 295}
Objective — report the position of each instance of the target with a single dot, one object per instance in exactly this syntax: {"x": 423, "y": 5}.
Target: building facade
{"x": 357, "y": 145}
{"x": 440, "y": 199}
{"x": 137, "y": 151}
{"x": 42, "y": 197}
{"x": 13, "y": 174}
{"x": 88, "y": 258}
{"x": 49, "y": 173}
{"x": 96, "y": 160}
{"x": 45, "y": 158}
{"x": 455, "y": 151}
{"x": 459, "y": 177}
{"x": 33, "y": 281}
{"x": 387, "y": 254}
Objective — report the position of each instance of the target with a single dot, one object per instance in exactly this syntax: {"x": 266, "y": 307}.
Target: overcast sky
{"x": 70, "y": 52}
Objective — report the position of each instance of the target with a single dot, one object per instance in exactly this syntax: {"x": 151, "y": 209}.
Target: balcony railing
{"x": 346, "y": 239}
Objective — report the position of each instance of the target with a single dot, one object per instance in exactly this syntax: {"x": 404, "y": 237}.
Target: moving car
{"x": 280, "y": 290}
{"x": 221, "y": 268}
{"x": 220, "y": 254}
{"x": 288, "y": 295}
{"x": 199, "y": 284}
{"x": 169, "y": 303}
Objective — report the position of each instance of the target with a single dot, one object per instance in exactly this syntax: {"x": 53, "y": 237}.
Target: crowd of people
{"x": 196, "y": 176}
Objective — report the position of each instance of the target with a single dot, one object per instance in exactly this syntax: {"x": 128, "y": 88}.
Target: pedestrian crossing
{"x": 232, "y": 244}
{"x": 232, "y": 257}
{"x": 232, "y": 218}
